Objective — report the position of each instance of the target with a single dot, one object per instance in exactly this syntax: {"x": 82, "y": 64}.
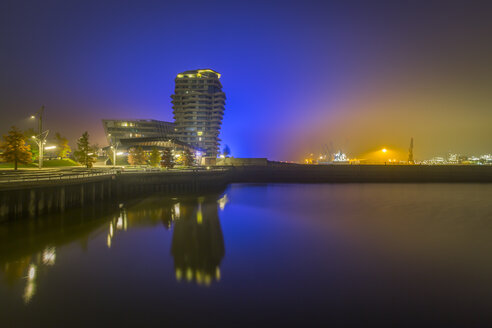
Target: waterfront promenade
{"x": 33, "y": 193}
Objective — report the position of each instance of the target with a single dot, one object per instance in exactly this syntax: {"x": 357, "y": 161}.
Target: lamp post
{"x": 114, "y": 148}
{"x": 42, "y": 135}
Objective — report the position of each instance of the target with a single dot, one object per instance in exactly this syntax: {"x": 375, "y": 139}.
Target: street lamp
{"x": 114, "y": 149}
{"x": 42, "y": 135}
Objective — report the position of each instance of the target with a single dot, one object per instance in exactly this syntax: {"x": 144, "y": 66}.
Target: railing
{"x": 51, "y": 176}
{"x": 174, "y": 170}
{"x": 10, "y": 177}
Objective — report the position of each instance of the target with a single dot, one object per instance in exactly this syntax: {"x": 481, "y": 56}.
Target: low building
{"x": 116, "y": 130}
{"x": 161, "y": 143}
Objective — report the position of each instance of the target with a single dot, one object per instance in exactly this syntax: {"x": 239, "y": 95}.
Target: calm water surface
{"x": 257, "y": 255}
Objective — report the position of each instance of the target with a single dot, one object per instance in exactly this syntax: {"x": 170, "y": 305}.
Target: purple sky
{"x": 298, "y": 75}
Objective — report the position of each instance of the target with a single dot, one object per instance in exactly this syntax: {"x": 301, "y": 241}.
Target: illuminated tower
{"x": 198, "y": 108}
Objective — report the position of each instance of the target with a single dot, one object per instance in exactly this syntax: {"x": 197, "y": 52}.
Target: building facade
{"x": 124, "y": 129}
{"x": 198, "y": 108}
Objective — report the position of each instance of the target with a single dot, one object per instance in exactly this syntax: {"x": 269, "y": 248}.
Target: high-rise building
{"x": 198, "y": 108}
{"x": 123, "y": 129}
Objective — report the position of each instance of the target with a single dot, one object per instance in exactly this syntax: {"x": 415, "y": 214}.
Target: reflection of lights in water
{"x": 31, "y": 284}
{"x": 119, "y": 224}
{"x": 208, "y": 280}
{"x": 49, "y": 256}
{"x": 189, "y": 274}
{"x": 217, "y": 273}
{"x": 179, "y": 274}
{"x": 109, "y": 241}
{"x": 199, "y": 215}
{"x": 29, "y": 291}
{"x": 31, "y": 274}
{"x": 111, "y": 229}
{"x": 199, "y": 278}
{"x": 222, "y": 202}
{"x": 176, "y": 211}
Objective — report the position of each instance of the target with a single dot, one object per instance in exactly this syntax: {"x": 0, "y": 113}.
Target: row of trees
{"x": 20, "y": 148}
{"x": 136, "y": 156}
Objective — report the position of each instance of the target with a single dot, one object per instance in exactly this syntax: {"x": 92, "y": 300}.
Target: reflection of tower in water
{"x": 198, "y": 243}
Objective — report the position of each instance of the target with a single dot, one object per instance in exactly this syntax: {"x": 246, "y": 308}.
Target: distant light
{"x": 119, "y": 153}
{"x": 222, "y": 156}
{"x": 34, "y": 137}
{"x": 50, "y": 147}
{"x": 384, "y": 150}
{"x": 33, "y": 117}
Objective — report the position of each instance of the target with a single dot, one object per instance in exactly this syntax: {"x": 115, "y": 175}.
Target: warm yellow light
{"x": 179, "y": 274}
{"x": 33, "y": 117}
{"x": 209, "y": 70}
{"x": 189, "y": 274}
{"x": 384, "y": 150}
{"x": 180, "y": 75}
{"x": 199, "y": 217}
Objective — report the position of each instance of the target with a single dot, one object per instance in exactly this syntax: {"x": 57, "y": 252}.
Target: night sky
{"x": 352, "y": 75}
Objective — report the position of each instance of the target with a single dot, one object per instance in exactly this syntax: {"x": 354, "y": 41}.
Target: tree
{"x": 155, "y": 157}
{"x": 15, "y": 149}
{"x": 188, "y": 159}
{"x": 167, "y": 159}
{"x": 29, "y": 136}
{"x": 62, "y": 147}
{"x": 136, "y": 156}
{"x": 85, "y": 153}
{"x": 226, "y": 151}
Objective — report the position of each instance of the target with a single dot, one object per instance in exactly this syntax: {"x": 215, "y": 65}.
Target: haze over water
{"x": 391, "y": 254}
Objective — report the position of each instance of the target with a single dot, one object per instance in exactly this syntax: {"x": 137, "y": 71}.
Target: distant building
{"x": 198, "y": 108}
{"x": 124, "y": 129}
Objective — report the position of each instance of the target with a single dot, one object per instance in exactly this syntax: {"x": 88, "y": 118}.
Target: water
{"x": 257, "y": 255}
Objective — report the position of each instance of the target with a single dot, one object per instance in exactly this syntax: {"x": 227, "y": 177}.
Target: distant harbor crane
{"x": 410, "y": 152}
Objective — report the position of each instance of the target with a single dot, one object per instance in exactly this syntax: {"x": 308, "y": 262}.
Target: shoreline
{"x": 33, "y": 199}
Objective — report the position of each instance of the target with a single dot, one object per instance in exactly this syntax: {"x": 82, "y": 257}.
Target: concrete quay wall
{"x": 32, "y": 199}
{"x": 296, "y": 173}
